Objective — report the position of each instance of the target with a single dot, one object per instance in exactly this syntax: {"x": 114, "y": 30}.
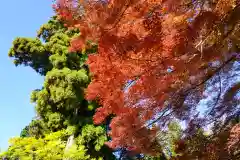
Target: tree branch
{"x": 212, "y": 74}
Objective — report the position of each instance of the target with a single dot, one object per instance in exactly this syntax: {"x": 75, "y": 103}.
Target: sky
{"x": 19, "y": 18}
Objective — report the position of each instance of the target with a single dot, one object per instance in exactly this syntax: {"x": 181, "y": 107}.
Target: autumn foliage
{"x": 151, "y": 55}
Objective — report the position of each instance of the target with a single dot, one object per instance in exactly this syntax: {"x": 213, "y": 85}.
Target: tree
{"x": 49, "y": 148}
{"x": 154, "y": 60}
{"x": 60, "y": 104}
{"x": 213, "y": 146}
{"x": 168, "y": 138}
{"x": 53, "y": 146}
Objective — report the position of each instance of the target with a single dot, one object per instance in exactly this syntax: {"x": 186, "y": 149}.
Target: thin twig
{"x": 210, "y": 76}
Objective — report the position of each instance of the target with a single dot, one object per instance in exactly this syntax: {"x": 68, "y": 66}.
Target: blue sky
{"x": 18, "y": 18}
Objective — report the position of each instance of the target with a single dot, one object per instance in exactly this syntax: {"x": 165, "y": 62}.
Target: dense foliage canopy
{"x": 156, "y": 60}
{"x": 63, "y": 127}
{"x": 160, "y": 77}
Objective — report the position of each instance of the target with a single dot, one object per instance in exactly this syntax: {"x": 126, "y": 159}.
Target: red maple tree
{"x": 151, "y": 55}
